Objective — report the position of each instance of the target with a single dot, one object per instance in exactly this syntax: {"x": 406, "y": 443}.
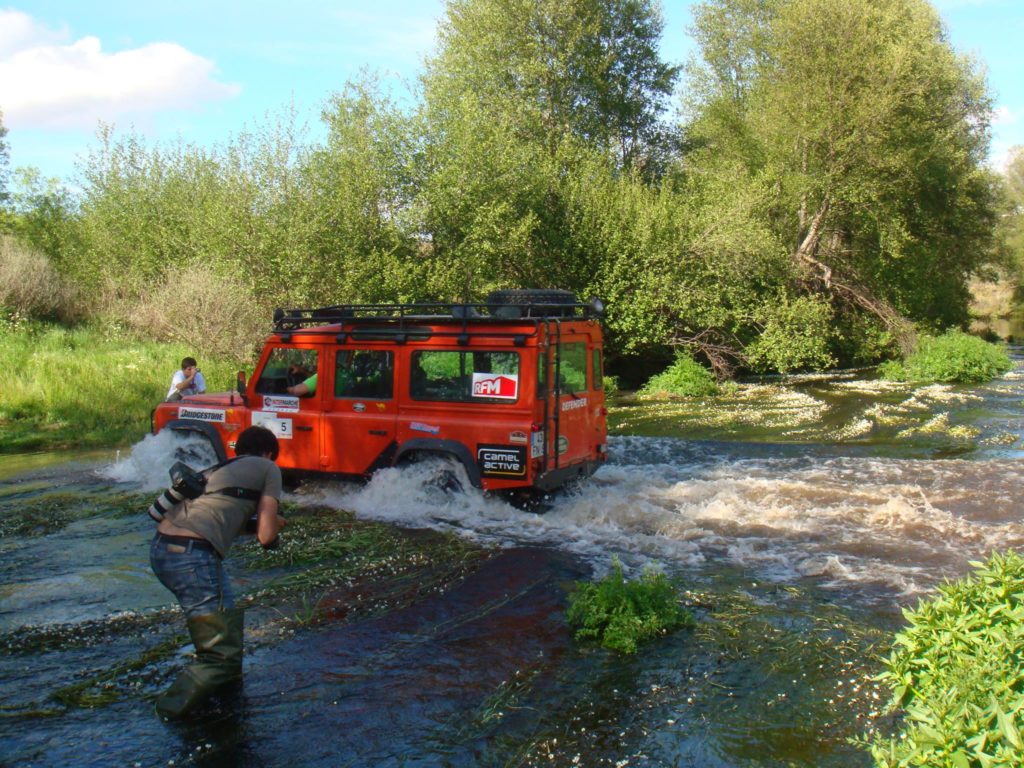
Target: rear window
{"x": 573, "y": 367}
{"x": 465, "y": 377}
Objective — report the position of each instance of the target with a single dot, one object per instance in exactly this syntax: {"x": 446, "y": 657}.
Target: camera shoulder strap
{"x": 234, "y": 492}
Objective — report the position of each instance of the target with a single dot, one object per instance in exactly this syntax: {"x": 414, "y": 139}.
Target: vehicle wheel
{"x": 194, "y": 449}
{"x": 548, "y": 300}
{"x": 443, "y": 472}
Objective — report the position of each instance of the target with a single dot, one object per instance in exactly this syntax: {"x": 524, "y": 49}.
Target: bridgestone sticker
{"x": 280, "y": 404}
{"x": 501, "y": 460}
{"x": 280, "y": 427}
{"x": 572, "y": 405}
{"x": 201, "y": 414}
{"x": 504, "y": 386}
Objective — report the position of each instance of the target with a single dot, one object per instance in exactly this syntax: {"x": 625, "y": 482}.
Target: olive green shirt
{"x": 220, "y": 519}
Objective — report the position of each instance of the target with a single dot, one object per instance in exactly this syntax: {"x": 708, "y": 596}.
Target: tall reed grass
{"x": 86, "y": 386}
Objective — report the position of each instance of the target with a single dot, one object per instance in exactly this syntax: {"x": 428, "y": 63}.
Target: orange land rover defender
{"x": 511, "y": 389}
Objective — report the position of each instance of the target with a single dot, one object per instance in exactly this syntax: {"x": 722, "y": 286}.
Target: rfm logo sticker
{"x": 504, "y": 386}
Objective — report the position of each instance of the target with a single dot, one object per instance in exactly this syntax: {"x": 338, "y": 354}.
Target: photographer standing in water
{"x": 187, "y": 555}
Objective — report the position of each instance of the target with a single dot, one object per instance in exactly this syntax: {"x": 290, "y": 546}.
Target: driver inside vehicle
{"x": 304, "y": 388}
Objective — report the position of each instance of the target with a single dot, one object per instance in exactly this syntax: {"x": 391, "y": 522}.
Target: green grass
{"x": 956, "y": 674}
{"x": 85, "y": 387}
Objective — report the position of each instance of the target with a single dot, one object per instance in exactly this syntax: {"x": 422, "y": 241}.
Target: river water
{"x": 801, "y": 514}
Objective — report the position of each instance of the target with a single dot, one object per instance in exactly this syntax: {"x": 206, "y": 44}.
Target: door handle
{"x": 304, "y": 428}
{"x": 381, "y": 432}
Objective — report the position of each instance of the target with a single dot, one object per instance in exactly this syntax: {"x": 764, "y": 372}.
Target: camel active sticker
{"x": 201, "y": 414}
{"x": 281, "y": 403}
{"x": 501, "y": 460}
{"x": 504, "y": 386}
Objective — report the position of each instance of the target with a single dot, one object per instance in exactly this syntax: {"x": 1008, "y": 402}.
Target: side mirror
{"x": 240, "y": 384}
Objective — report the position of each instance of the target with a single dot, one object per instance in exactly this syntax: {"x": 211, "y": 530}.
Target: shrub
{"x": 795, "y": 335}
{"x": 953, "y": 358}
{"x": 956, "y": 672}
{"x": 208, "y": 312}
{"x": 620, "y": 614}
{"x": 685, "y": 378}
{"x": 30, "y": 287}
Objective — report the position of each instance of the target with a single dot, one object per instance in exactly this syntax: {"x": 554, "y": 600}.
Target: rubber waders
{"x": 218, "y": 641}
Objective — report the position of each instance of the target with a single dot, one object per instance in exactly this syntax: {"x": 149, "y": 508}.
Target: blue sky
{"x": 204, "y": 71}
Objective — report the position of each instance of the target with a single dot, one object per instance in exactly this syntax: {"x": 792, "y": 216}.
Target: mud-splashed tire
{"x": 195, "y": 450}
{"x": 443, "y": 472}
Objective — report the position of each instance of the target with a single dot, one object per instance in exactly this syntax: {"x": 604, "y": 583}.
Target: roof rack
{"x": 436, "y": 313}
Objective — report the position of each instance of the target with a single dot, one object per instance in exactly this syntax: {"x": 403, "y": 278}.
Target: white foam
{"x": 150, "y": 459}
{"x": 899, "y": 524}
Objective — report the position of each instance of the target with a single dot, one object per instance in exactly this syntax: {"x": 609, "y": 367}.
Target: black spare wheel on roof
{"x": 532, "y": 302}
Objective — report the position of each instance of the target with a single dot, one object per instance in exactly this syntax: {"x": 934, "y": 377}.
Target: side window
{"x": 597, "y": 371}
{"x": 465, "y": 377}
{"x": 363, "y": 373}
{"x": 573, "y": 367}
{"x": 286, "y": 367}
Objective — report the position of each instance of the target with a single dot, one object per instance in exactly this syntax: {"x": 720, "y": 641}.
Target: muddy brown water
{"x": 808, "y": 512}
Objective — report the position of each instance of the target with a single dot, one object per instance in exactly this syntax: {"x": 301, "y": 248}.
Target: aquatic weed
{"x": 620, "y": 614}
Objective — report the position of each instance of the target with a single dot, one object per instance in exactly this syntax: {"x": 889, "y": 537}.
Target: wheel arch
{"x": 202, "y": 428}
{"x": 452, "y": 448}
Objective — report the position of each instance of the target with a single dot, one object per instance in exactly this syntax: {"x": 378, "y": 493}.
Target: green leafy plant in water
{"x": 620, "y": 614}
{"x": 952, "y": 358}
{"x": 684, "y": 378}
{"x": 956, "y": 673}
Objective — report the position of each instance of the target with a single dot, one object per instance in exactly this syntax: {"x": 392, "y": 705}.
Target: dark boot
{"x": 218, "y": 641}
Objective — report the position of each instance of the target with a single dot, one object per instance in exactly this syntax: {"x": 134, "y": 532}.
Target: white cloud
{"x": 51, "y": 82}
{"x": 1003, "y": 115}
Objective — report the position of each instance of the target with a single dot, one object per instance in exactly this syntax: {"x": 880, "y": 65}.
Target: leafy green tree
{"x": 363, "y": 202}
{"x": 1012, "y": 220}
{"x": 148, "y": 211}
{"x": 589, "y": 68}
{"x": 860, "y": 134}
{"x": 519, "y": 98}
{"x": 45, "y": 216}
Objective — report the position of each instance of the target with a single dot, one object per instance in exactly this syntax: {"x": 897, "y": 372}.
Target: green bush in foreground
{"x": 684, "y": 378}
{"x": 953, "y": 358}
{"x": 620, "y": 614}
{"x": 957, "y": 673}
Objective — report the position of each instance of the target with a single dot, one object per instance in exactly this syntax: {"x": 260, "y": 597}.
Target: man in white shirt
{"x": 187, "y": 381}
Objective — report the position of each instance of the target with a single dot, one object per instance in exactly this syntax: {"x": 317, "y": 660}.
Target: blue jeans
{"x": 195, "y": 576}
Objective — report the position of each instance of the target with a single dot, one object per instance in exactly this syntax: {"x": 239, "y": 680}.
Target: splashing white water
{"x": 151, "y": 458}
{"x": 896, "y": 525}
